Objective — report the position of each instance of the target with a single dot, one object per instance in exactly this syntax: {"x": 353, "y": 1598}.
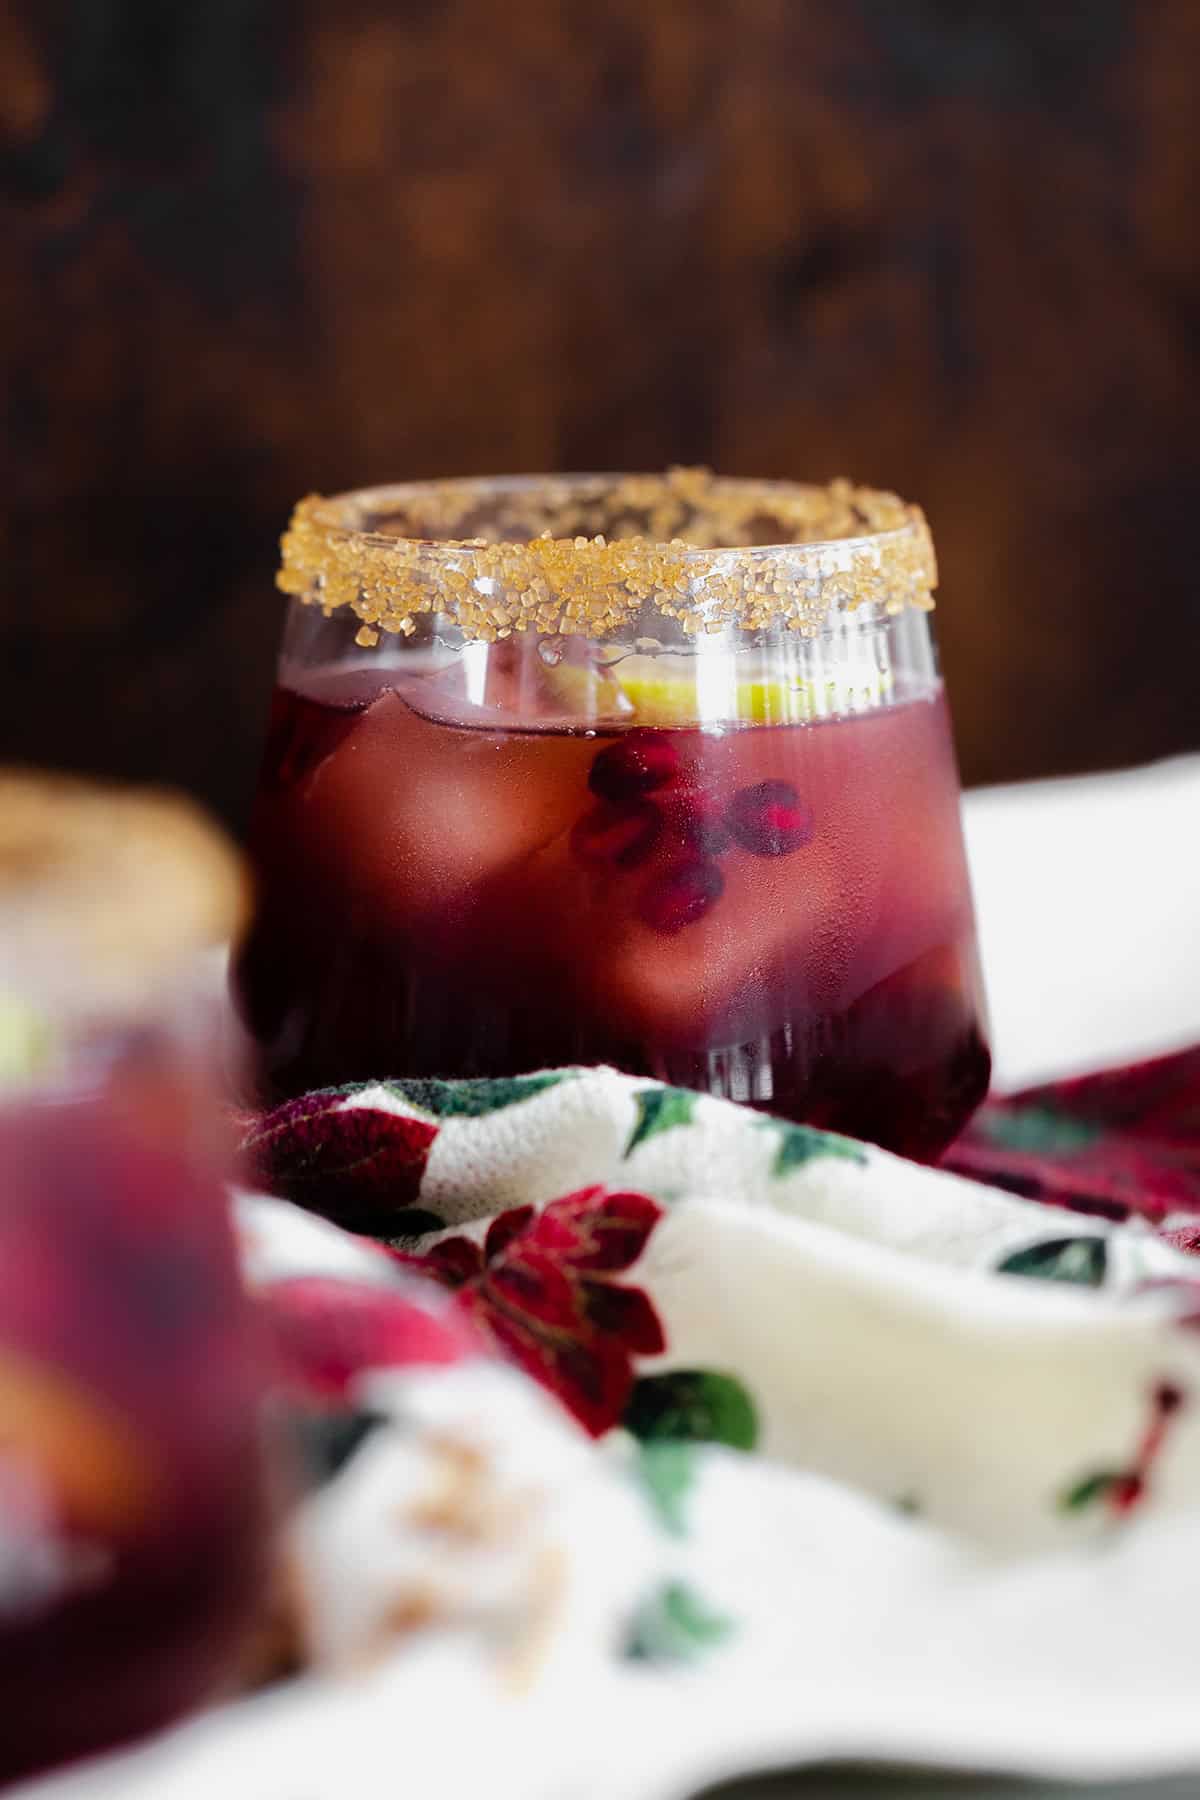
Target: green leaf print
{"x": 660, "y": 1109}
{"x": 472, "y": 1099}
{"x": 1038, "y": 1130}
{"x": 696, "y": 1405}
{"x": 413, "y": 1222}
{"x": 667, "y": 1472}
{"x": 1085, "y": 1493}
{"x": 799, "y": 1144}
{"x": 674, "y": 1625}
{"x": 1082, "y": 1261}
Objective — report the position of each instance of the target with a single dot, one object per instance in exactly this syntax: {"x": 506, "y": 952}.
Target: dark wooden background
{"x": 253, "y": 247}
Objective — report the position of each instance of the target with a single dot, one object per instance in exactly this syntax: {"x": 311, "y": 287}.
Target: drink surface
{"x": 776, "y": 913}
{"x": 132, "y": 1526}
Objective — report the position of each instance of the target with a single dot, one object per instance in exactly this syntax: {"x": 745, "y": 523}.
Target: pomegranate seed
{"x": 699, "y": 819}
{"x": 622, "y": 835}
{"x": 637, "y": 764}
{"x": 770, "y": 819}
{"x": 680, "y": 895}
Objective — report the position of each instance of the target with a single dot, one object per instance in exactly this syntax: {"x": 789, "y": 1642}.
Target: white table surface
{"x": 1088, "y": 896}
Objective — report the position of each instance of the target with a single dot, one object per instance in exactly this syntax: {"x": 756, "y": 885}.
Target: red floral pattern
{"x": 1118, "y": 1144}
{"x": 325, "y": 1330}
{"x": 360, "y": 1166}
{"x": 541, "y": 1287}
{"x": 1122, "y": 1491}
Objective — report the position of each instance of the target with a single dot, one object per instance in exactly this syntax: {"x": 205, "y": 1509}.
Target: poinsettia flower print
{"x": 541, "y": 1286}
{"x": 360, "y": 1166}
{"x": 327, "y": 1330}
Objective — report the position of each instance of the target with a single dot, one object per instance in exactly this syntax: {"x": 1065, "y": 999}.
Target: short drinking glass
{"x": 133, "y": 1517}
{"x": 650, "y": 771}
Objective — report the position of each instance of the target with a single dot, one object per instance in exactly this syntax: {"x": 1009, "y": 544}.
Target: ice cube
{"x": 770, "y": 947}
{"x": 414, "y": 819}
{"x": 788, "y": 937}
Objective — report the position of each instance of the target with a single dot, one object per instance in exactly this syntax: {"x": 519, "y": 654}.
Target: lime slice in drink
{"x": 640, "y": 690}
{"x": 26, "y": 1046}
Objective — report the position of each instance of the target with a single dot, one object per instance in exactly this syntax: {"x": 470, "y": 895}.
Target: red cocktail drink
{"x": 132, "y": 1515}
{"x": 764, "y": 913}
{"x": 131, "y": 1522}
{"x": 735, "y": 865}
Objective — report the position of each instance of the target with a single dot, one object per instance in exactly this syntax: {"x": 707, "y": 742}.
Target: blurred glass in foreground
{"x": 132, "y": 1515}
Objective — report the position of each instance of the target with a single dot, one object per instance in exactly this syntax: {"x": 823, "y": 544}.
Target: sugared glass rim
{"x": 831, "y": 549}
{"x": 109, "y": 887}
